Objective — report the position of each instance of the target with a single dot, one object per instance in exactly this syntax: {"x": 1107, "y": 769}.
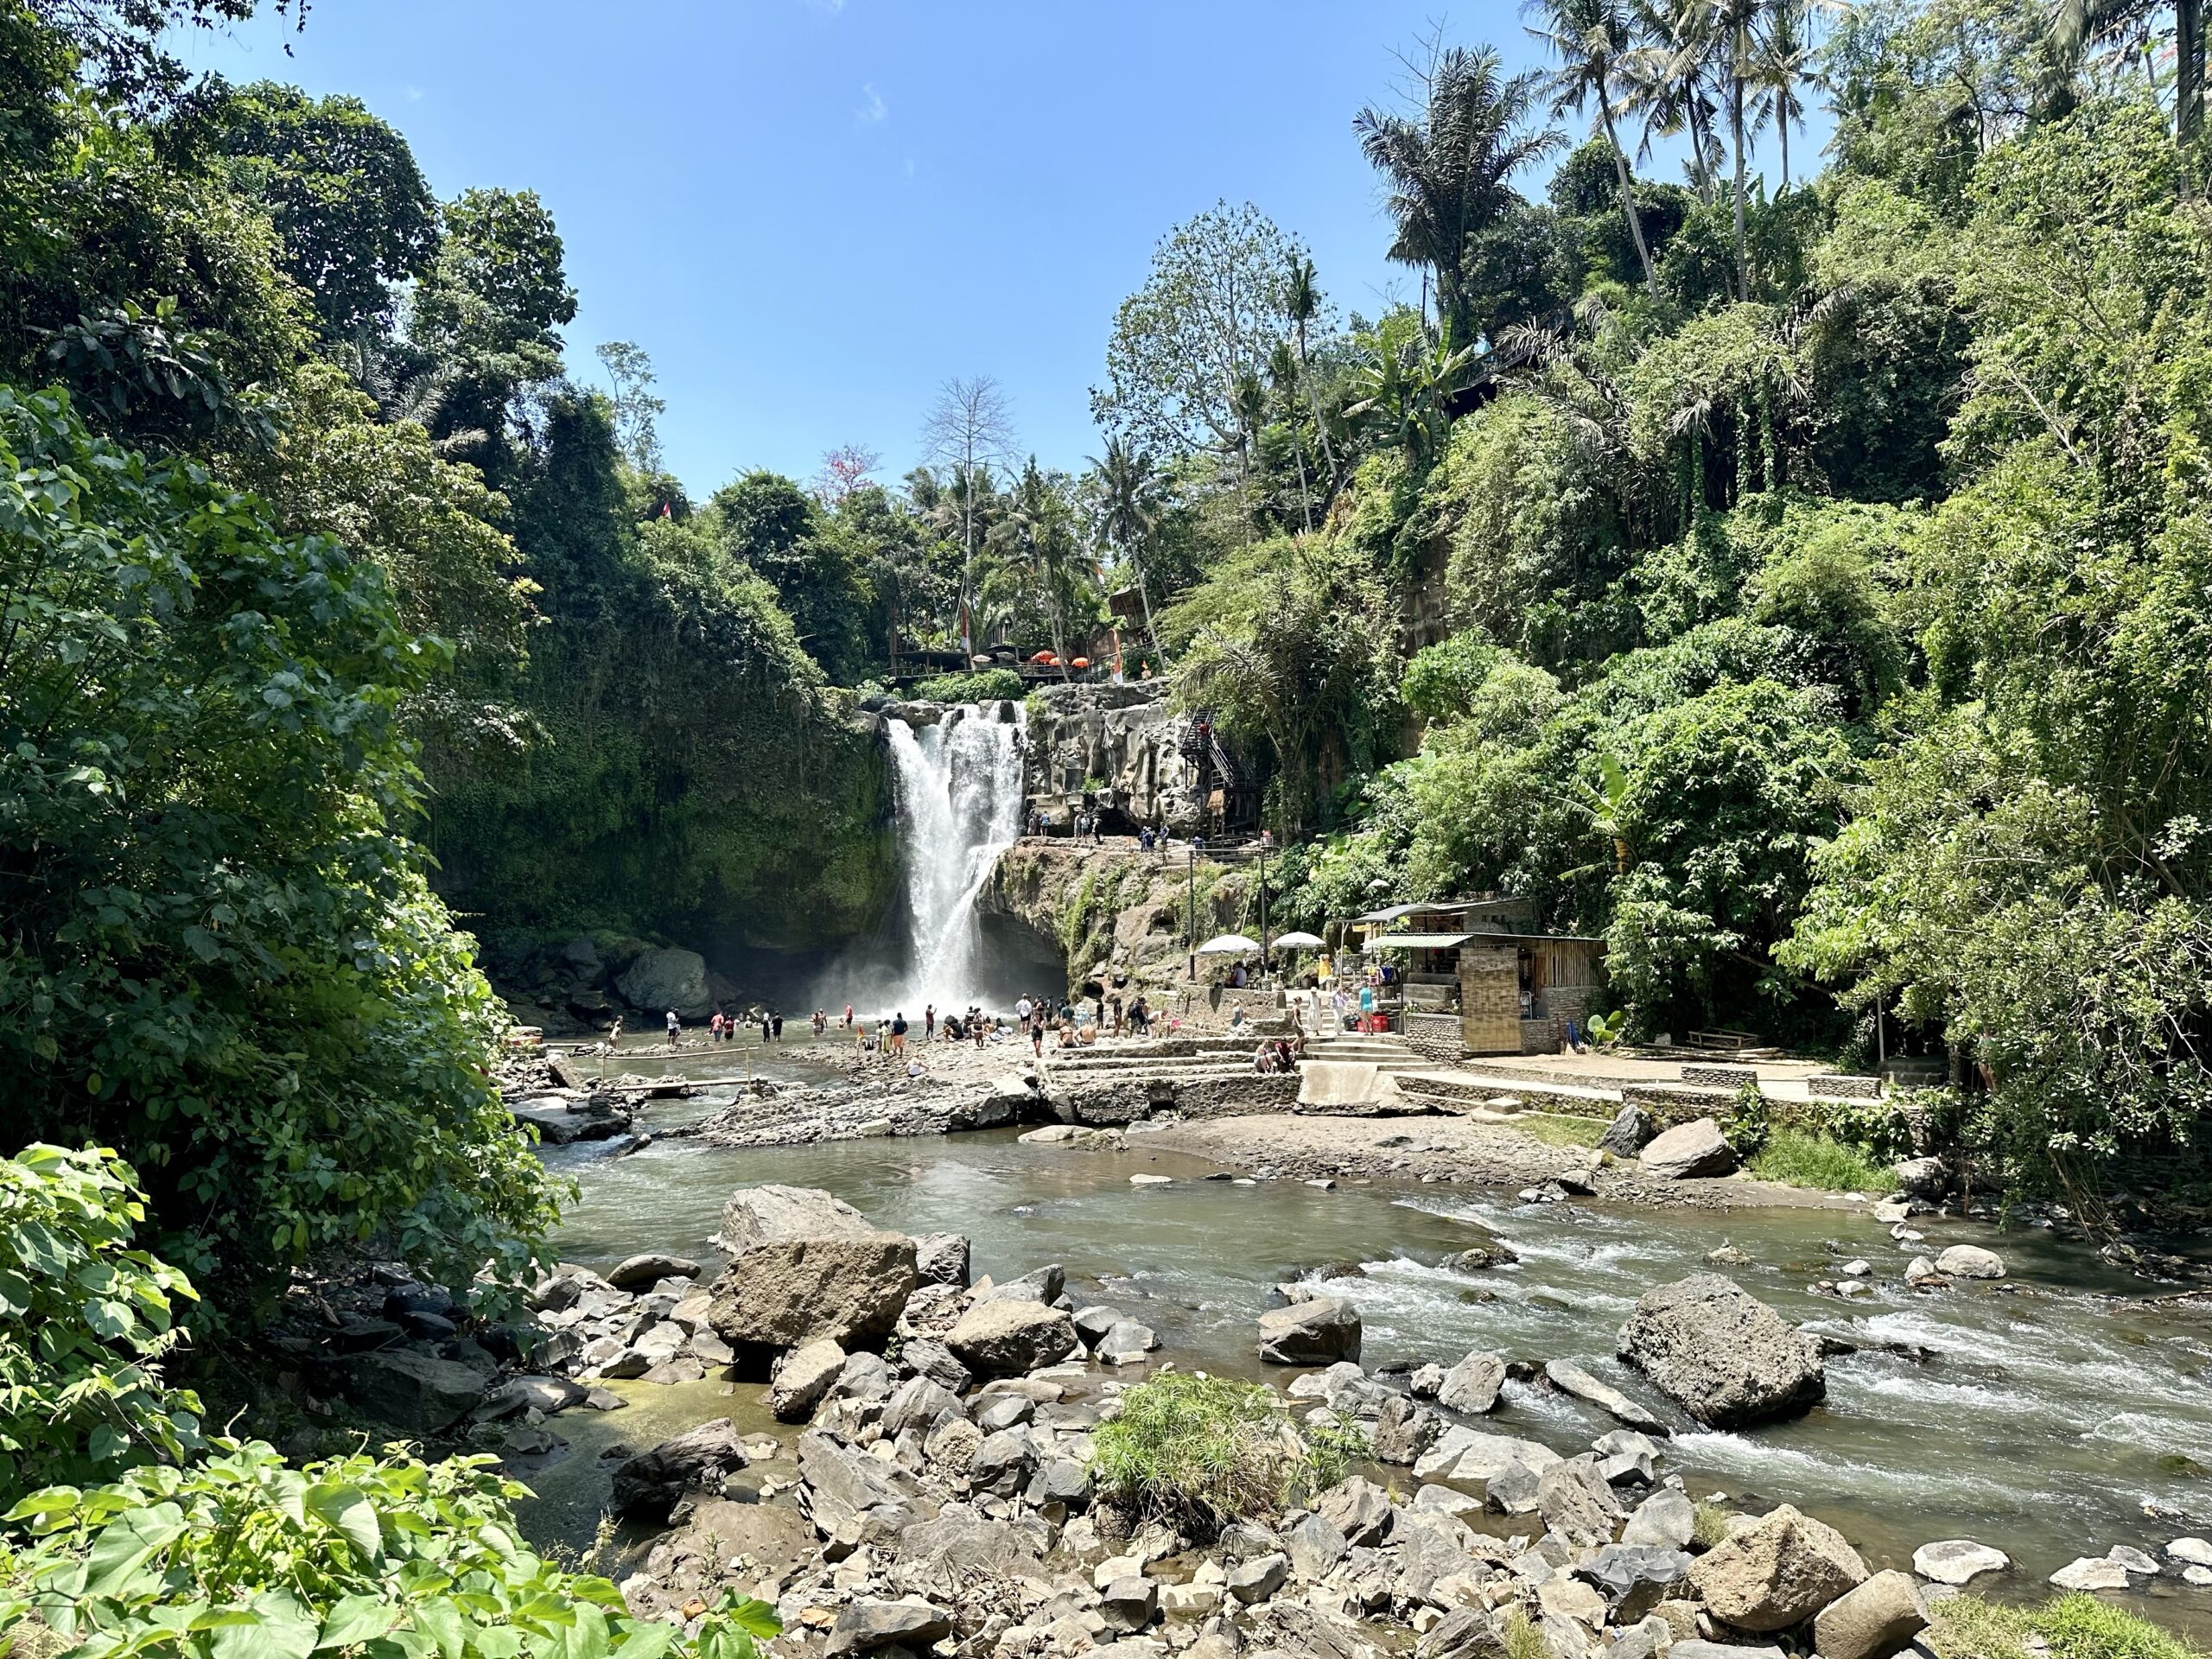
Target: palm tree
{"x": 1784, "y": 57}
{"x": 1666, "y": 83}
{"x": 1592, "y": 39}
{"x": 1302, "y": 299}
{"x": 1733, "y": 25}
{"x": 1282, "y": 380}
{"x": 1127, "y": 491}
{"x": 1450, "y": 168}
{"x": 2077, "y": 23}
{"x": 1409, "y": 391}
{"x": 1039, "y": 556}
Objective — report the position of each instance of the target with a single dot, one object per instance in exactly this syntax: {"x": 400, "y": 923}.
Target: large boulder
{"x": 756, "y": 1215}
{"x": 1876, "y": 1620}
{"x": 644, "y": 1272}
{"x": 660, "y": 979}
{"x": 866, "y": 1626}
{"x": 1472, "y": 1386}
{"x": 1630, "y": 1131}
{"x": 792, "y": 1291}
{"x": 648, "y": 1485}
{"x": 1723, "y": 1357}
{"x": 1688, "y": 1151}
{"x": 1777, "y": 1573}
{"x": 1008, "y": 1338}
{"x": 1317, "y": 1332}
{"x": 942, "y": 1258}
{"x": 1970, "y": 1262}
{"x": 418, "y": 1393}
{"x": 806, "y": 1266}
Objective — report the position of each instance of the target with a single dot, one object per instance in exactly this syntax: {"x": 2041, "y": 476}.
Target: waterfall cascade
{"x": 959, "y": 788}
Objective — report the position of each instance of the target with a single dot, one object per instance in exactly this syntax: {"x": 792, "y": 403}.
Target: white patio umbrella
{"x": 1228, "y": 944}
{"x": 1299, "y": 942}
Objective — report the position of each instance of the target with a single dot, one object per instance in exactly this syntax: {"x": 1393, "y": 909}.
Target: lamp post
{"x": 1190, "y": 927}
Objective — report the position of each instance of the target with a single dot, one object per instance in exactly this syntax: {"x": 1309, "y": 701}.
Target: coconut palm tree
{"x": 1784, "y": 58}
{"x": 1450, "y": 166}
{"x": 2076, "y": 23}
{"x": 1667, "y": 84}
{"x": 1302, "y": 299}
{"x": 1038, "y": 557}
{"x": 1591, "y": 39}
{"x": 1128, "y": 501}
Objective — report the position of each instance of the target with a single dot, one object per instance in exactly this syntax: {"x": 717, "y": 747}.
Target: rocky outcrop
{"x": 1008, "y": 1336}
{"x": 1724, "y": 1357}
{"x": 647, "y": 1486}
{"x": 667, "y": 979}
{"x": 1124, "y": 737}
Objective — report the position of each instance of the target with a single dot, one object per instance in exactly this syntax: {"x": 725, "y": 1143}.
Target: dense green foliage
{"x": 1198, "y": 1452}
{"x": 84, "y": 1322}
{"x": 220, "y": 953}
{"x": 163, "y": 1543}
{"x": 239, "y": 1553}
{"x": 1806, "y": 593}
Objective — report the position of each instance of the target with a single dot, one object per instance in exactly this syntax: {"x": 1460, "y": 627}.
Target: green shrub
{"x": 83, "y": 1321}
{"x": 1198, "y": 1452}
{"x": 241, "y": 1557}
{"x": 1709, "y": 1525}
{"x": 985, "y": 685}
{"x": 1746, "y": 1124}
{"x": 1805, "y": 1160}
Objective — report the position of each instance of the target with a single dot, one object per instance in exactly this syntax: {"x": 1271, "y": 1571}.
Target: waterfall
{"x": 959, "y": 790}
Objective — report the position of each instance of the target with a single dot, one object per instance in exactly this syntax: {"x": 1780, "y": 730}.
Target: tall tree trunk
{"x": 1320, "y": 426}
{"x": 2188, "y": 80}
{"x": 1736, "y": 128}
{"x": 1144, "y": 594}
{"x": 1305, "y": 494}
{"x": 1782, "y": 121}
{"x": 1628, "y": 197}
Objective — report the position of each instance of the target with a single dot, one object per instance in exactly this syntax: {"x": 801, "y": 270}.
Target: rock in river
{"x": 1316, "y": 1333}
{"x": 1777, "y": 1572}
{"x": 1689, "y": 1150}
{"x": 806, "y": 1266}
{"x": 644, "y": 1272}
{"x": 1472, "y": 1386}
{"x": 1970, "y": 1262}
{"x": 648, "y": 1485}
{"x": 1958, "y": 1560}
{"x": 415, "y": 1392}
{"x": 1007, "y": 1338}
{"x": 1723, "y": 1357}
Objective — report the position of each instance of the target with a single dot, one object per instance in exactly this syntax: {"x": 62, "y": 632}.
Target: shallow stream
{"x": 2047, "y": 1411}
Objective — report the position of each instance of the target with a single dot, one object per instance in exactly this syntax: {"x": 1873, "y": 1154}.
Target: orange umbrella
{"x": 1042, "y": 656}
{"x": 1080, "y": 662}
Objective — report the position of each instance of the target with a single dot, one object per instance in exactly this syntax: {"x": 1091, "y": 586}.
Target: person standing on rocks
{"x": 929, "y": 1021}
{"x": 675, "y": 1029}
{"x": 899, "y": 1031}
{"x": 776, "y": 1020}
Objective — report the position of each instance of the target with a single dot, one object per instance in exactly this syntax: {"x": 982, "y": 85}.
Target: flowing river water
{"x": 2040, "y": 1416}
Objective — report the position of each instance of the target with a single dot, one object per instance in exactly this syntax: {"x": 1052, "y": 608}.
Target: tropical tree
{"x": 1667, "y": 84}
{"x": 1406, "y": 389}
{"x": 1127, "y": 501}
{"x": 1039, "y": 561}
{"x": 2075, "y": 24}
{"x": 1593, "y": 39}
{"x": 1302, "y": 298}
{"x": 1450, "y": 166}
{"x": 1784, "y": 56}
{"x": 970, "y": 430}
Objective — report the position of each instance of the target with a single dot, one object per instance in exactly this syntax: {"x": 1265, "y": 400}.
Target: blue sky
{"x": 812, "y": 213}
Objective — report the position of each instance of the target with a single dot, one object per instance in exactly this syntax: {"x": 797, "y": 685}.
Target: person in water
{"x": 675, "y": 1029}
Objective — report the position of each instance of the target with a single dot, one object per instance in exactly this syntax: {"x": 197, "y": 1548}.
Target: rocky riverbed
{"x": 902, "y": 1460}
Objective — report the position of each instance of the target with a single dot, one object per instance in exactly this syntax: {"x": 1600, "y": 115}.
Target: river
{"x": 2048, "y": 1409}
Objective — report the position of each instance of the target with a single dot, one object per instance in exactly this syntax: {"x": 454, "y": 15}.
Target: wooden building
{"x": 1476, "y": 976}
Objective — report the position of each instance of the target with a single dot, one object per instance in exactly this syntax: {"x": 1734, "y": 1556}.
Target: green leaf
{"x": 752, "y": 1616}
{"x": 116, "y": 1567}
{"x": 109, "y": 1319}
{"x": 348, "y": 1510}
{"x": 440, "y": 1620}
{"x": 15, "y": 1293}
{"x": 645, "y": 1640}
{"x": 281, "y": 1628}
{"x": 357, "y": 1619}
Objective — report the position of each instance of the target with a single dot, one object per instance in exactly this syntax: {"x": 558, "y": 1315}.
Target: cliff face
{"x": 1113, "y": 905}
{"x": 1122, "y": 739}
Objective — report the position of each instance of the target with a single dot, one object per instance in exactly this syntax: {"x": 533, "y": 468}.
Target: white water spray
{"x": 960, "y": 794}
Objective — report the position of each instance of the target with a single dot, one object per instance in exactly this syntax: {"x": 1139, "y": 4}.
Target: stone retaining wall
{"x": 1719, "y": 1076}
{"x": 1436, "y": 1036}
{"x": 1836, "y": 1085}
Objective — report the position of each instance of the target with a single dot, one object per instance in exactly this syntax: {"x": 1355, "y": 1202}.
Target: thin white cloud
{"x": 872, "y": 109}
{"x": 832, "y": 7}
